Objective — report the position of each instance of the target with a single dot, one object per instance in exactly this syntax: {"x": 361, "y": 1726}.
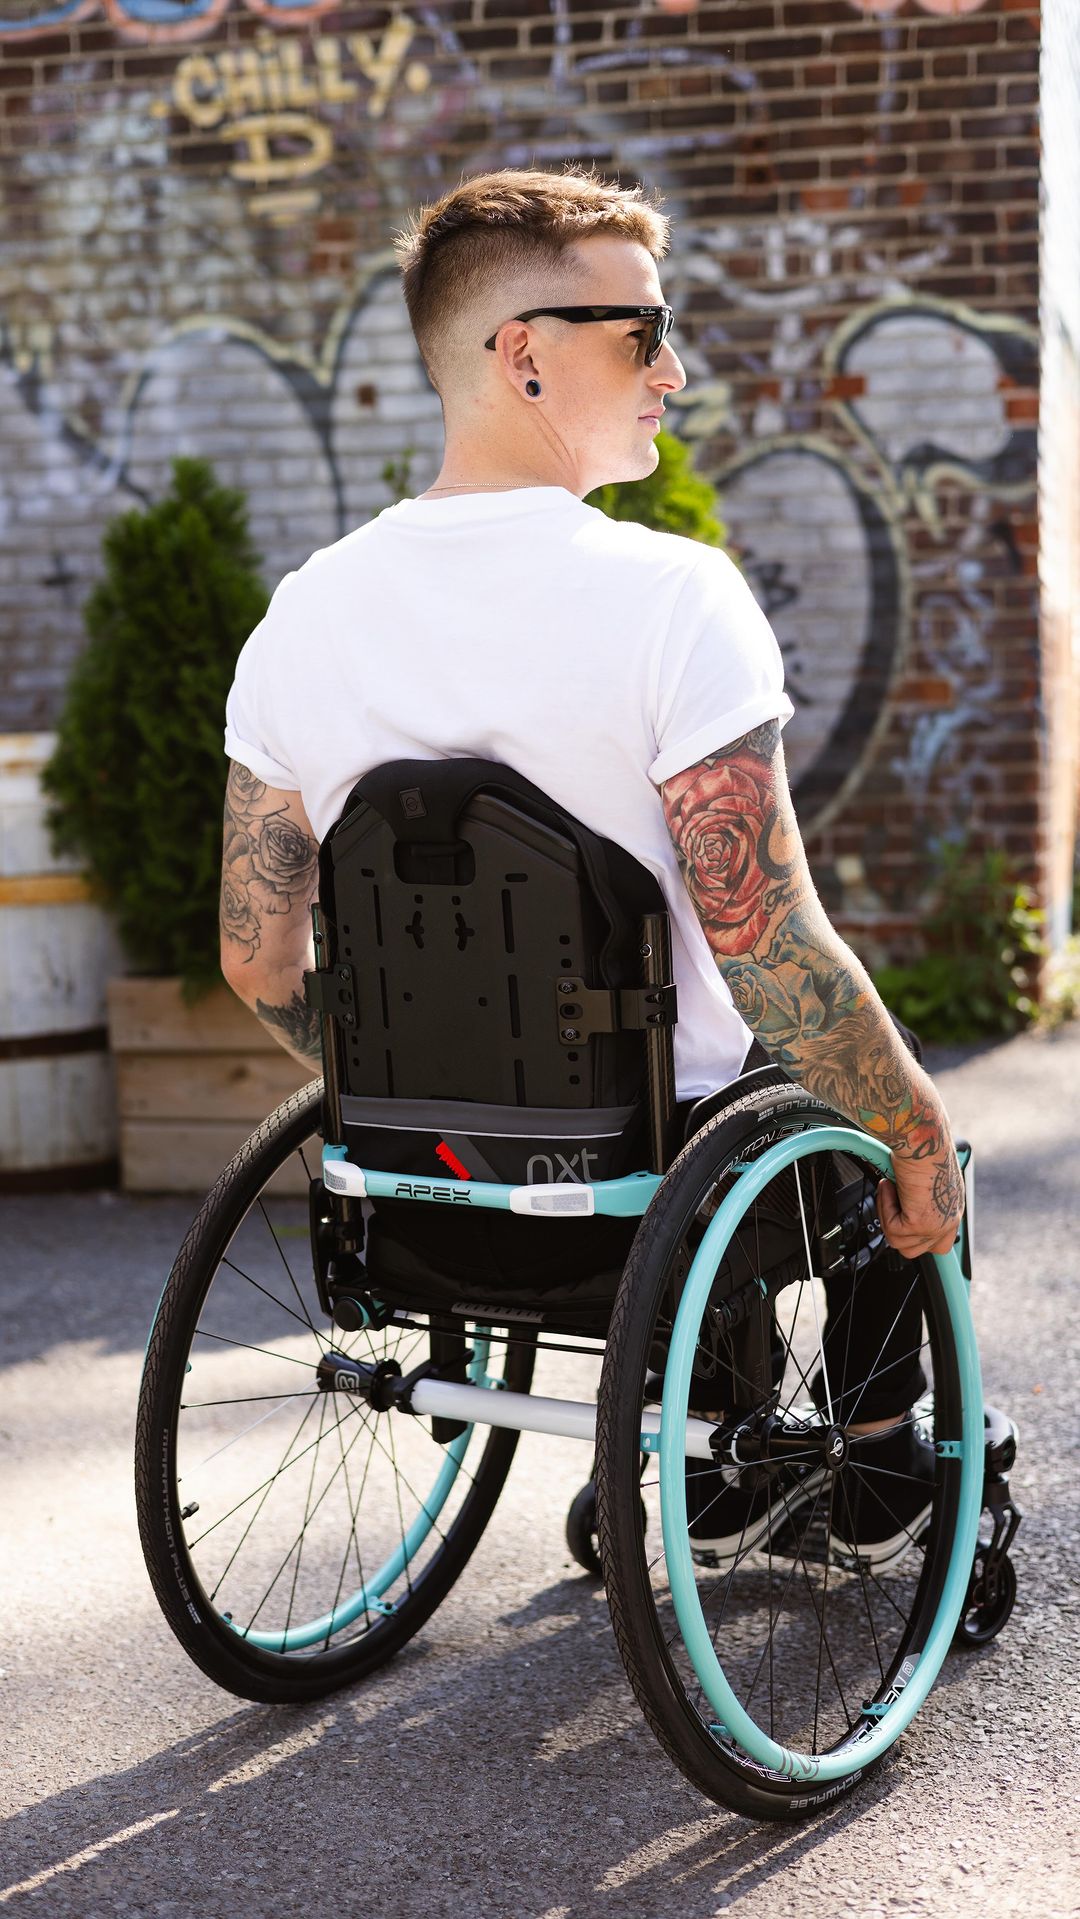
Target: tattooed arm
{"x": 796, "y": 983}
{"x": 269, "y": 877}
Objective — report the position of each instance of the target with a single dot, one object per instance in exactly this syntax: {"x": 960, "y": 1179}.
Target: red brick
{"x": 1022, "y": 27}
{"x": 543, "y": 32}
{"x": 788, "y": 47}
{"x": 1009, "y": 60}
{"x": 968, "y": 32}
{"x": 825, "y": 199}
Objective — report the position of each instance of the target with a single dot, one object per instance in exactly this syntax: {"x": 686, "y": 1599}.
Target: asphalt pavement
{"x": 500, "y": 1768}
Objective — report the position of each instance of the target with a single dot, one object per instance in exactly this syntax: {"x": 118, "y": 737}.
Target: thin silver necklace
{"x": 489, "y": 486}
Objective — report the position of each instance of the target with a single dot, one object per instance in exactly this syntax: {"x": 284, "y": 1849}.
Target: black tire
{"x": 259, "y": 1329}
{"x": 656, "y": 1662}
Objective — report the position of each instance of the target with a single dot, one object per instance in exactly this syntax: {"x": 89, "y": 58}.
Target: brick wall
{"x": 200, "y": 195}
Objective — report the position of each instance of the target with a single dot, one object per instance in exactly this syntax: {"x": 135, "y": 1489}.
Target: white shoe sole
{"x": 715, "y": 1554}
{"x": 881, "y": 1552}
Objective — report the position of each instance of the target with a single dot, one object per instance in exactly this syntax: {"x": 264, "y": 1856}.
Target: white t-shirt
{"x": 595, "y": 656}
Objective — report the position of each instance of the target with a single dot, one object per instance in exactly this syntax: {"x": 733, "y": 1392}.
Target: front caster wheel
{"x": 581, "y": 1530}
{"x": 986, "y": 1611}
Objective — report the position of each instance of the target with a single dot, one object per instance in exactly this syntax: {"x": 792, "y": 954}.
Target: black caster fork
{"x": 991, "y": 1592}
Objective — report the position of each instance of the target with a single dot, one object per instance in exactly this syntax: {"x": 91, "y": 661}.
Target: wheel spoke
{"x": 873, "y": 1373}
{"x": 253, "y": 1516}
{"x": 862, "y": 1579}
{"x": 243, "y": 1399}
{"x": 285, "y": 1467}
{"x": 300, "y": 1318}
{"x": 354, "y": 1506}
{"x": 297, "y": 1544}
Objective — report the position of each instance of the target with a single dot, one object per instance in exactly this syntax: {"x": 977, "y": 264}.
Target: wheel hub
{"x": 338, "y": 1373}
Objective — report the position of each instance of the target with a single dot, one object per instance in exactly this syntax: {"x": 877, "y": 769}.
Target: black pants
{"x": 872, "y": 1328}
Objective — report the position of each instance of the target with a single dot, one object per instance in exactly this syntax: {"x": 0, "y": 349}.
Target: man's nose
{"x": 672, "y": 372}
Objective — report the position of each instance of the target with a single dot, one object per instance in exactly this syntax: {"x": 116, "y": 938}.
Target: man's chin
{"x": 638, "y": 466}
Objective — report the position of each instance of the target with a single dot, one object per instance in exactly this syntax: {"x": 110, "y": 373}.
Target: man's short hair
{"x": 501, "y": 242}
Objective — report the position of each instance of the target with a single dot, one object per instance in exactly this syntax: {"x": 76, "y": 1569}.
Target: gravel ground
{"x": 500, "y": 1766}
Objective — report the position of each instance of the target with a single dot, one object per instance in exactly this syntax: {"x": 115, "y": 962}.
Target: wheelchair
{"x": 495, "y": 1165}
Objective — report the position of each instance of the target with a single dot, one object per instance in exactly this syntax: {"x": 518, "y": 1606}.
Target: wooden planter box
{"x": 192, "y": 1082}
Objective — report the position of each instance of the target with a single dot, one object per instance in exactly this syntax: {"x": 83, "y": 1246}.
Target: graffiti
{"x": 771, "y": 585}
{"x": 924, "y": 394}
{"x": 938, "y": 768}
{"x": 862, "y": 6}
{"x": 28, "y": 345}
{"x": 970, "y": 376}
{"x": 801, "y": 508}
{"x": 61, "y": 577}
{"x": 274, "y": 75}
{"x": 838, "y": 450}
{"x": 884, "y": 7}
{"x": 254, "y": 96}
{"x": 155, "y": 22}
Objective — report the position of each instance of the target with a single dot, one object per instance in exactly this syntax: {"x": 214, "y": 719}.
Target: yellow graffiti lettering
{"x": 262, "y": 166}
{"x": 242, "y": 78}
{"x": 29, "y": 343}
{"x": 334, "y": 85}
{"x": 273, "y": 79}
{"x": 205, "y": 107}
{"x": 271, "y": 88}
{"x": 299, "y": 91}
{"x": 381, "y": 67}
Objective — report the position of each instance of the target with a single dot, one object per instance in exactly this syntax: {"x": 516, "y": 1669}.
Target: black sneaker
{"x": 727, "y": 1520}
{"x": 885, "y": 1494}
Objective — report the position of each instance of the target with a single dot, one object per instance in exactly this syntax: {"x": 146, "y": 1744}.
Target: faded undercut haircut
{"x": 500, "y": 243}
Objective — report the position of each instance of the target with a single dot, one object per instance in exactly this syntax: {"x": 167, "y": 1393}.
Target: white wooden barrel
{"x": 57, "y": 950}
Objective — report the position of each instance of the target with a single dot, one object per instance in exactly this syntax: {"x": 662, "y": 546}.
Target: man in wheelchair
{"x": 525, "y": 762}
{"x": 628, "y": 673}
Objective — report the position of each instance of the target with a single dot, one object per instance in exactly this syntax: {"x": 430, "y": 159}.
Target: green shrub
{"x": 978, "y": 975}
{"x": 673, "y": 499}
{"x": 137, "y": 781}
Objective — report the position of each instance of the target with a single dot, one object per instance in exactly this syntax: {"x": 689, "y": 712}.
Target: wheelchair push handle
{"x": 659, "y": 1043}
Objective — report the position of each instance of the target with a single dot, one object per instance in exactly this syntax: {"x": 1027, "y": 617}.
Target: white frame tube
{"x": 527, "y": 1413}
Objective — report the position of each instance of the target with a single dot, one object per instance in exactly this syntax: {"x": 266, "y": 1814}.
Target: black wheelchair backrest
{"x": 491, "y": 999}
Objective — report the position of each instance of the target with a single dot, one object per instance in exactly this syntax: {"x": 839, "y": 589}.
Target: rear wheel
{"x": 793, "y": 1596}
{"x": 296, "y": 1536}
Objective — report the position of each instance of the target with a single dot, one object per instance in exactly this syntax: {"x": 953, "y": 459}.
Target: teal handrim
{"x": 369, "y": 1598}
{"x": 877, "y": 1732}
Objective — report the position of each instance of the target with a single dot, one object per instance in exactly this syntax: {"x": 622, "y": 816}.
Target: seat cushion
{"x": 425, "y": 1256}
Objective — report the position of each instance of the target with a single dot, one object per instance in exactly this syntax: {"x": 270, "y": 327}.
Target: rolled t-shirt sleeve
{"x": 253, "y": 733}
{"x": 720, "y": 671}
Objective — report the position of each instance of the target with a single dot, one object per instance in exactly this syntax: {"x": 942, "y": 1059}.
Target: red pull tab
{"x": 450, "y": 1158}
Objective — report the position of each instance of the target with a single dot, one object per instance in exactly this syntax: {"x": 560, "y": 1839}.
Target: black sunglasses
{"x": 662, "y": 319}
